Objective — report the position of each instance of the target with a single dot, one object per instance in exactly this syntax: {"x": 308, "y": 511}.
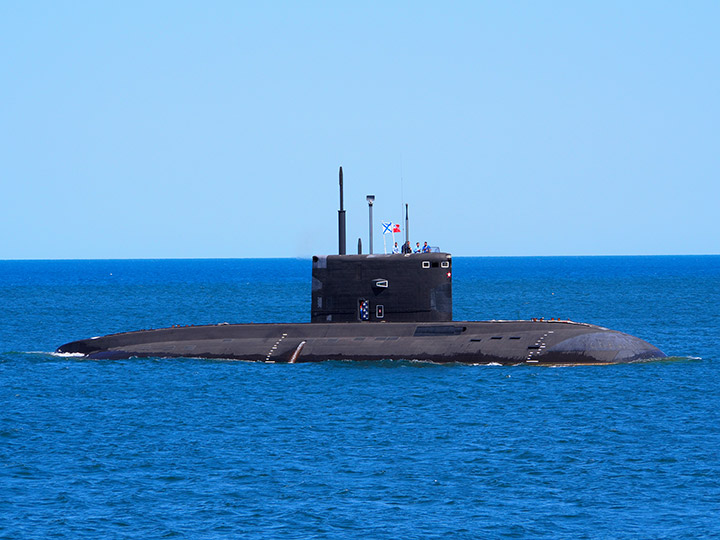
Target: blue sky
{"x": 215, "y": 129}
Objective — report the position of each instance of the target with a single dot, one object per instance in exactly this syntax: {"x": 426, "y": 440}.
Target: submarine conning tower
{"x": 415, "y": 287}
{"x": 411, "y": 287}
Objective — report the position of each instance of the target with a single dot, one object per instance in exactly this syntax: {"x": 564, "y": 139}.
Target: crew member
{"x": 396, "y": 249}
{"x": 425, "y": 248}
{"x": 417, "y": 247}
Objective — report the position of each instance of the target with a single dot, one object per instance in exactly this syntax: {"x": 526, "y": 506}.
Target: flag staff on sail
{"x": 389, "y": 228}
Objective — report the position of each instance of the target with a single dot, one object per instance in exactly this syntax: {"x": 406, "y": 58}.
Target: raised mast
{"x": 341, "y": 220}
{"x": 407, "y": 225}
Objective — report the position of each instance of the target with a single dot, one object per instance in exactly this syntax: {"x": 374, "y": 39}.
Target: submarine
{"x": 370, "y": 307}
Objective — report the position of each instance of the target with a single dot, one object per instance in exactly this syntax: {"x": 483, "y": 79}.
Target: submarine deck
{"x": 470, "y": 342}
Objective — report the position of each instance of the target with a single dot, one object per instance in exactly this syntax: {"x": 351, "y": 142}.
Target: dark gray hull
{"x": 488, "y": 342}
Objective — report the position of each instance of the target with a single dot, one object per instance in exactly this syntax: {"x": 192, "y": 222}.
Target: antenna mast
{"x": 407, "y": 224}
{"x": 341, "y": 220}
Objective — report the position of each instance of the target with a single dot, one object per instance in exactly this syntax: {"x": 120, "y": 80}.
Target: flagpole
{"x": 387, "y": 227}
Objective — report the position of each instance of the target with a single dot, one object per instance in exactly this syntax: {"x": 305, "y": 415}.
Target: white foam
{"x": 66, "y": 354}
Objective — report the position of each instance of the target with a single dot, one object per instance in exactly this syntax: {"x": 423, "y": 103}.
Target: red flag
{"x": 396, "y": 228}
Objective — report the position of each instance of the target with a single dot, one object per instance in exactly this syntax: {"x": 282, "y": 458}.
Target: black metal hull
{"x": 487, "y": 342}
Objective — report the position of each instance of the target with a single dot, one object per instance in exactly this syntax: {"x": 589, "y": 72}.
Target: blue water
{"x": 186, "y": 448}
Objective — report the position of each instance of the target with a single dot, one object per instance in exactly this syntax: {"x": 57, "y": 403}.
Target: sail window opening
{"x": 435, "y": 265}
{"x": 426, "y": 264}
{"x": 445, "y": 264}
{"x": 379, "y": 311}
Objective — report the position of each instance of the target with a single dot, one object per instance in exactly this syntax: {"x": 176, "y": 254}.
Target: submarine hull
{"x": 471, "y": 342}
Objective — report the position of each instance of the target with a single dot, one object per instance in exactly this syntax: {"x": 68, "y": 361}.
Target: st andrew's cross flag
{"x": 389, "y": 228}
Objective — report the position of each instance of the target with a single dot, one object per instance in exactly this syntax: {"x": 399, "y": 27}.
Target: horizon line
{"x": 302, "y": 258}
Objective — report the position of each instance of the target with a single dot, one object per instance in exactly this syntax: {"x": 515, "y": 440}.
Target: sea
{"x": 210, "y": 449}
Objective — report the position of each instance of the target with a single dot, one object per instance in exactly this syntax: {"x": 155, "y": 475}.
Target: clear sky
{"x": 215, "y": 129}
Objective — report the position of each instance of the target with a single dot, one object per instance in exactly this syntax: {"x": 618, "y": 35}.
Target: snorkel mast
{"x": 341, "y": 220}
